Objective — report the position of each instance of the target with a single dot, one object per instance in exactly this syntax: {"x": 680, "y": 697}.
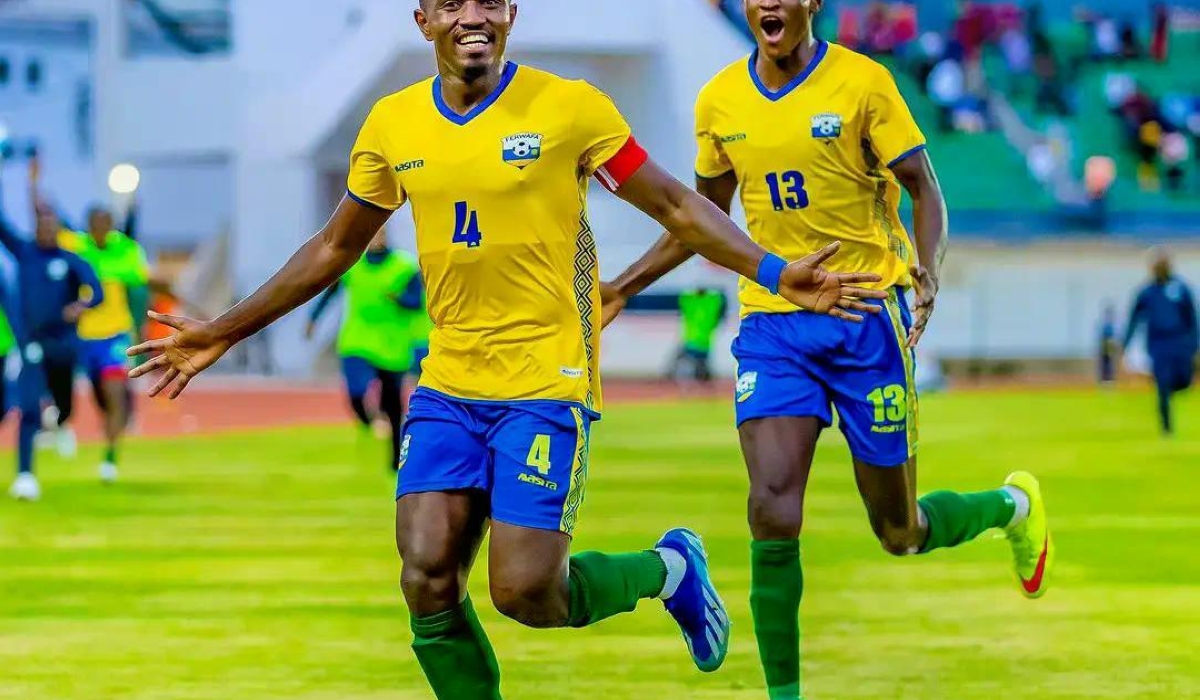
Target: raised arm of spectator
{"x": 131, "y": 220}
{"x": 8, "y": 235}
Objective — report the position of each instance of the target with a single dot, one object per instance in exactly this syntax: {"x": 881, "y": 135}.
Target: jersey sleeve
{"x": 609, "y": 151}
{"x": 711, "y": 160}
{"x": 371, "y": 181}
{"x": 891, "y": 129}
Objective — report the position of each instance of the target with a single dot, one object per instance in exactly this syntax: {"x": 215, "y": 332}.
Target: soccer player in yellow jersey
{"x": 495, "y": 160}
{"x": 818, "y": 141}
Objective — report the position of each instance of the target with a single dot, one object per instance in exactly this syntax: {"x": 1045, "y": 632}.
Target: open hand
{"x": 806, "y": 284}
{"x": 613, "y": 303}
{"x": 927, "y": 288}
{"x": 192, "y": 348}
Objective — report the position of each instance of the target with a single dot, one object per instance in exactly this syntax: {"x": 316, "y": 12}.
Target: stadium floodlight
{"x": 124, "y": 179}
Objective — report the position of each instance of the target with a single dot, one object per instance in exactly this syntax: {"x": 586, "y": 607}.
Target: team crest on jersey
{"x": 827, "y": 126}
{"x": 57, "y": 269}
{"x": 522, "y": 150}
{"x": 746, "y": 384}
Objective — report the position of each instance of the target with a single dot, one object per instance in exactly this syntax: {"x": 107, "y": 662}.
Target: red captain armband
{"x": 622, "y": 166}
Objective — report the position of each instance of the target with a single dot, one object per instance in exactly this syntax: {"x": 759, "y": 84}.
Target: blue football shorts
{"x": 803, "y": 364}
{"x": 530, "y": 456}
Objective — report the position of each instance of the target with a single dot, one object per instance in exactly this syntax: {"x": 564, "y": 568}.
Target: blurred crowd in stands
{"x": 1006, "y": 50}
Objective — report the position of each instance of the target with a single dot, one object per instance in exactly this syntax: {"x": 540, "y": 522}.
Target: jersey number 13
{"x": 787, "y": 190}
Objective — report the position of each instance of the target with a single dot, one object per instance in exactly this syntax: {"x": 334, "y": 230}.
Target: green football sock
{"x": 110, "y": 454}
{"x": 776, "y": 586}
{"x": 456, "y": 656}
{"x": 603, "y": 585}
{"x": 955, "y": 518}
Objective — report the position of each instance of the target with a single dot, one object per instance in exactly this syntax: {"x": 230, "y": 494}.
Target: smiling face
{"x": 469, "y": 36}
{"x": 781, "y": 26}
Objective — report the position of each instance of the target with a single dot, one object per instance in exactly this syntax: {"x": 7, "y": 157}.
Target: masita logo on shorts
{"x": 746, "y": 384}
{"x": 522, "y": 150}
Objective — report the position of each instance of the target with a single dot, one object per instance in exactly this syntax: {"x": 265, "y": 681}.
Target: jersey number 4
{"x": 787, "y": 190}
{"x": 466, "y": 225}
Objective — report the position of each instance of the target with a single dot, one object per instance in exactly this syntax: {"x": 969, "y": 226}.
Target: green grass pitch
{"x": 261, "y": 567}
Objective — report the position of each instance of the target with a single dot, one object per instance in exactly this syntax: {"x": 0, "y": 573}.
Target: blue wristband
{"x": 769, "y": 272}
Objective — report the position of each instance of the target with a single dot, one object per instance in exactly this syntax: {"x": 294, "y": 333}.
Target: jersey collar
{"x": 822, "y": 49}
{"x": 510, "y": 71}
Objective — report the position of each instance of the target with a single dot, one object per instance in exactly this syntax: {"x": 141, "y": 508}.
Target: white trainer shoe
{"x": 108, "y": 473}
{"x": 66, "y": 443}
{"x": 50, "y": 416}
{"x": 26, "y": 488}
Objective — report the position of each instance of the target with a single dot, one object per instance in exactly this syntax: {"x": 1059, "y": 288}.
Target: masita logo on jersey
{"x": 827, "y": 126}
{"x": 521, "y": 150}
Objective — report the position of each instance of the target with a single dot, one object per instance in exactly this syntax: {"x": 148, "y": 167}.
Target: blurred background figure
{"x": 108, "y": 330}
{"x": 701, "y": 312}
{"x": 9, "y": 363}
{"x": 1109, "y": 350}
{"x": 50, "y": 283}
{"x": 1166, "y": 309}
{"x": 380, "y": 335}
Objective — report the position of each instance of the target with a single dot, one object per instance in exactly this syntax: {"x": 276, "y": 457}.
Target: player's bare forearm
{"x": 930, "y": 221}
{"x": 668, "y": 252}
{"x": 696, "y": 223}
{"x": 319, "y": 262}
{"x": 665, "y": 255}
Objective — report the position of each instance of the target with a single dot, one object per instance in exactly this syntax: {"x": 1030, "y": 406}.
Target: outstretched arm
{"x": 319, "y": 262}
{"x": 668, "y": 252}
{"x": 701, "y": 226}
{"x": 930, "y": 224}
{"x": 694, "y": 225}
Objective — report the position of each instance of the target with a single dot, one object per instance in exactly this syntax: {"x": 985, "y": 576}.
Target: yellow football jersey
{"x": 499, "y": 198}
{"x": 812, "y": 162}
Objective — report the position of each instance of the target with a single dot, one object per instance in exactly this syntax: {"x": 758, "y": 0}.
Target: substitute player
{"x": 374, "y": 342}
{"x": 108, "y": 330}
{"x": 1167, "y": 309}
{"x": 701, "y": 311}
{"x": 495, "y": 159}
{"x": 816, "y": 137}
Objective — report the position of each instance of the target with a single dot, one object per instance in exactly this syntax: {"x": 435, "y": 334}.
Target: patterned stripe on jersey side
{"x": 585, "y": 275}
{"x": 579, "y": 471}
{"x": 896, "y": 244}
{"x": 910, "y": 384}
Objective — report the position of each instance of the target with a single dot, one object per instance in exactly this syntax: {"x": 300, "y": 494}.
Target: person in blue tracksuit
{"x": 49, "y": 282}
{"x": 1166, "y": 308}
